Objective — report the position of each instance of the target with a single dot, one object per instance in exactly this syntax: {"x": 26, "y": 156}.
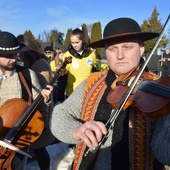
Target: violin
{"x": 148, "y": 90}
{"x": 120, "y": 86}
{"x": 22, "y": 124}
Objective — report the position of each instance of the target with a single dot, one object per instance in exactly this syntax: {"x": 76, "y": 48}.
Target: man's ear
{"x": 142, "y": 50}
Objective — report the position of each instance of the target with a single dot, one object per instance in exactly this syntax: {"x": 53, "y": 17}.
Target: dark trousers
{"x": 59, "y": 89}
{"x": 42, "y": 158}
{"x": 165, "y": 71}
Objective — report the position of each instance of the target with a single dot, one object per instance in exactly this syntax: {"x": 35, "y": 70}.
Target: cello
{"x": 26, "y": 124}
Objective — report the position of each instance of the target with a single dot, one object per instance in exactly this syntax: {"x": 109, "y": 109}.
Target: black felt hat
{"x": 9, "y": 44}
{"x": 122, "y": 29}
{"x": 48, "y": 48}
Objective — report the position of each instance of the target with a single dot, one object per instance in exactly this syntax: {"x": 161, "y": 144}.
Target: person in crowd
{"x": 18, "y": 82}
{"x": 166, "y": 62}
{"x": 34, "y": 59}
{"x": 59, "y": 96}
{"x": 59, "y": 57}
{"x": 49, "y": 52}
{"x": 81, "y": 118}
{"x": 82, "y": 59}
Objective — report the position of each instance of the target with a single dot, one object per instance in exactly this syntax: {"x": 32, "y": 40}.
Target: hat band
{"x": 9, "y": 48}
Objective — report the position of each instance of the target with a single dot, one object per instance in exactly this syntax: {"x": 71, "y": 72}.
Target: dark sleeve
{"x": 161, "y": 140}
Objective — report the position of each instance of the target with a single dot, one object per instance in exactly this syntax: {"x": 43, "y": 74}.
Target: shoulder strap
{"x": 26, "y": 84}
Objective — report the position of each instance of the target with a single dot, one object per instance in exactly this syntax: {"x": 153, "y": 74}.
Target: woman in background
{"x": 83, "y": 59}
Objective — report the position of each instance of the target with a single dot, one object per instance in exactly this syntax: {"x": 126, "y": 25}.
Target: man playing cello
{"x": 12, "y": 85}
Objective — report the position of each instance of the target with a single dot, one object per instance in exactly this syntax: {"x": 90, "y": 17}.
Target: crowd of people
{"x": 75, "y": 109}
{"x": 82, "y": 65}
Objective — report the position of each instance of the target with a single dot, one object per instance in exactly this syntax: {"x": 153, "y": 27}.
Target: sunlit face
{"x": 60, "y": 56}
{"x": 76, "y": 43}
{"x": 167, "y": 51}
{"x": 49, "y": 54}
{"x": 123, "y": 57}
{"x": 8, "y": 61}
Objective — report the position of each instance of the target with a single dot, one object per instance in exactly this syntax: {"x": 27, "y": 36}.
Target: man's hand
{"x": 47, "y": 93}
{"x": 90, "y": 132}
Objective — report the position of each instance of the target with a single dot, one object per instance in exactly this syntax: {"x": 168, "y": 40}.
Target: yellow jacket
{"x": 78, "y": 70}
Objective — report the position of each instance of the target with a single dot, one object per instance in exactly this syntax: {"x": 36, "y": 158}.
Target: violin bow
{"x": 8, "y": 145}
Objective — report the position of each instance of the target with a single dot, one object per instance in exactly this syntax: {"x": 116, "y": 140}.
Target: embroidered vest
{"x": 140, "y": 127}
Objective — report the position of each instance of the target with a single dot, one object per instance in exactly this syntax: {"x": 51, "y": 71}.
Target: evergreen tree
{"x": 96, "y": 34}
{"x": 67, "y": 39}
{"x": 56, "y": 36}
{"x": 153, "y": 24}
{"x": 29, "y": 34}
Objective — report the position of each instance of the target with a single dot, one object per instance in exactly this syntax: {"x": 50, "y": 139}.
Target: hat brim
{"x": 21, "y": 49}
{"x": 144, "y": 36}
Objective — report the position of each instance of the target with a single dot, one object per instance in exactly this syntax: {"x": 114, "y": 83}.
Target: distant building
{"x": 52, "y": 44}
{"x": 154, "y": 64}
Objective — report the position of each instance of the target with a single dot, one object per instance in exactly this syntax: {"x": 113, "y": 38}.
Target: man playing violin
{"x": 16, "y": 82}
{"x": 82, "y": 118}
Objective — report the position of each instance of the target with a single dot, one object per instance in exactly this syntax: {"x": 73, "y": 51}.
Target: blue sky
{"x": 16, "y": 16}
